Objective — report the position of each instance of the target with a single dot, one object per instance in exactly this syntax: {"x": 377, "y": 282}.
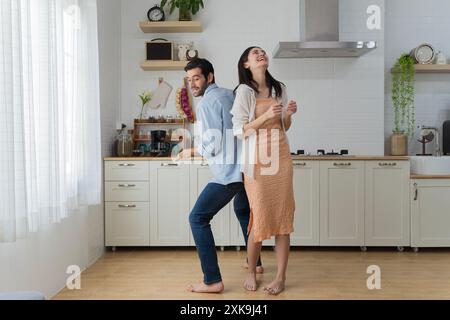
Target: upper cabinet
{"x": 171, "y": 26}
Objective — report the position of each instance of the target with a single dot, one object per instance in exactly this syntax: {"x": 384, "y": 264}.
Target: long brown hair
{"x": 246, "y": 76}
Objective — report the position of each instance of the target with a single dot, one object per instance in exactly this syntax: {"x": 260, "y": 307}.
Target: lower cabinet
{"x": 169, "y": 204}
{"x": 306, "y": 193}
{"x": 430, "y": 213}
{"x": 127, "y": 224}
{"x": 342, "y": 203}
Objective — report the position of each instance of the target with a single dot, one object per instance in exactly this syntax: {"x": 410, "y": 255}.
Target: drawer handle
{"x": 127, "y": 206}
{"x": 205, "y": 165}
{"x": 300, "y": 164}
{"x": 415, "y": 191}
{"x": 342, "y": 164}
{"x": 385, "y": 164}
{"x": 169, "y": 164}
{"x": 127, "y": 185}
{"x": 126, "y": 165}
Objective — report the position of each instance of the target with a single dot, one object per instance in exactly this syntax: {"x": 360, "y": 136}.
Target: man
{"x": 216, "y": 143}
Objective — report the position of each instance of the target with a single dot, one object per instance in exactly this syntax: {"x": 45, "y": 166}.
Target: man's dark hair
{"x": 204, "y": 65}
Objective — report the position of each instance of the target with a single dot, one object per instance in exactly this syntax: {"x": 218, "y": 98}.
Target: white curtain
{"x": 50, "y": 149}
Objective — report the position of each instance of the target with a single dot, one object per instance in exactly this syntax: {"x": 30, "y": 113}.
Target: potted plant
{"x": 145, "y": 98}
{"x": 186, "y": 7}
{"x": 403, "y": 104}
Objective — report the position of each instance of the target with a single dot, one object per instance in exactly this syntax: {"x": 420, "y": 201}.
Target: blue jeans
{"x": 212, "y": 199}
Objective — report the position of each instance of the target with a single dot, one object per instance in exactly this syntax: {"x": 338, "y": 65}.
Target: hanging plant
{"x": 403, "y": 95}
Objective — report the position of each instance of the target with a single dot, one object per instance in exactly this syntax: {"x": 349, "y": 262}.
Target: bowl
{"x": 137, "y": 153}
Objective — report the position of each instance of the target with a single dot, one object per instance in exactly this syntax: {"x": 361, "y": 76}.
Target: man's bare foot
{"x": 250, "y": 282}
{"x": 259, "y": 269}
{"x": 201, "y": 287}
{"x": 276, "y": 287}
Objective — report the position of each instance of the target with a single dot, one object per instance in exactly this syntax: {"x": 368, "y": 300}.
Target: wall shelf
{"x": 430, "y": 68}
{"x": 171, "y": 26}
{"x": 163, "y": 65}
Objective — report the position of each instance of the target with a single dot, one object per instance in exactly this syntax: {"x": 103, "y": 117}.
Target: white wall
{"x": 408, "y": 24}
{"x": 39, "y": 262}
{"x": 341, "y": 100}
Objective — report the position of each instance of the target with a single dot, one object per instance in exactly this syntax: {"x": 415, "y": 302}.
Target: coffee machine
{"x": 446, "y": 138}
{"x": 159, "y": 147}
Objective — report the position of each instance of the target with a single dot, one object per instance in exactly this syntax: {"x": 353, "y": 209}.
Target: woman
{"x": 261, "y": 103}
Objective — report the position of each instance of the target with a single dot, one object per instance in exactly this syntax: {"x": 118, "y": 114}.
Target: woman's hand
{"x": 274, "y": 111}
{"x": 292, "y": 108}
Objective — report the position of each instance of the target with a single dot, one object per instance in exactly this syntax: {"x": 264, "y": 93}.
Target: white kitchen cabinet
{"x": 387, "y": 214}
{"x": 342, "y": 203}
{"x": 200, "y": 176}
{"x": 430, "y": 213}
{"x": 127, "y": 224}
{"x": 169, "y": 204}
{"x": 126, "y": 203}
{"x": 306, "y": 193}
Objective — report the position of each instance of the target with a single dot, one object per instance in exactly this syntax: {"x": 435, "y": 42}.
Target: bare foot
{"x": 250, "y": 282}
{"x": 259, "y": 269}
{"x": 201, "y": 287}
{"x": 276, "y": 287}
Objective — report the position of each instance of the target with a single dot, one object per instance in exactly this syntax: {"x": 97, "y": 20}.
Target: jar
{"x": 125, "y": 145}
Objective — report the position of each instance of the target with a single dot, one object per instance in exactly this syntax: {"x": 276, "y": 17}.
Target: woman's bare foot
{"x": 276, "y": 287}
{"x": 201, "y": 287}
{"x": 259, "y": 269}
{"x": 250, "y": 282}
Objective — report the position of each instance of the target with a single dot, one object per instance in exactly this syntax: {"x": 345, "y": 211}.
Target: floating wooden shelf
{"x": 430, "y": 68}
{"x": 163, "y": 65}
{"x": 171, "y": 26}
{"x": 159, "y": 123}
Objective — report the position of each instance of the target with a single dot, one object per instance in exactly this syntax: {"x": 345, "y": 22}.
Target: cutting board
{"x": 160, "y": 96}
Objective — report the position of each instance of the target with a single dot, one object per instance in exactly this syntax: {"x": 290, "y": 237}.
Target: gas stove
{"x": 323, "y": 153}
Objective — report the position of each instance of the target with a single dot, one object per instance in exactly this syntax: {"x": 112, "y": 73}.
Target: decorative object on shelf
{"x": 184, "y": 102}
{"x": 423, "y": 54}
{"x": 161, "y": 95}
{"x": 186, "y": 7}
{"x": 191, "y": 54}
{"x": 183, "y": 48}
{"x": 145, "y": 99}
{"x": 156, "y": 14}
{"x": 441, "y": 58}
{"x": 403, "y": 104}
{"x": 159, "y": 49}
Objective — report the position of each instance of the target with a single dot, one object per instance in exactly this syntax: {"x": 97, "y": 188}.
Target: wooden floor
{"x": 319, "y": 273}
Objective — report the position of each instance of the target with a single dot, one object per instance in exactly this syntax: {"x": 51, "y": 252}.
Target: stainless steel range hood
{"x": 319, "y": 34}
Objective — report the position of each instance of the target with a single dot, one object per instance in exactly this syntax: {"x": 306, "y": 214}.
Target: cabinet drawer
{"x": 126, "y": 191}
{"x": 127, "y": 224}
{"x": 126, "y": 170}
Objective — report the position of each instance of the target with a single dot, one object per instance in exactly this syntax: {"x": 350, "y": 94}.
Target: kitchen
{"x": 358, "y": 204}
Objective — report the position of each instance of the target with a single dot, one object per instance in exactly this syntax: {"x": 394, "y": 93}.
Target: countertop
{"x": 303, "y": 158}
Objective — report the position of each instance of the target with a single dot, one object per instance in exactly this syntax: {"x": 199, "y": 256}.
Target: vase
{"x": 185, "y": 14}
{"x": 399, "y": 144}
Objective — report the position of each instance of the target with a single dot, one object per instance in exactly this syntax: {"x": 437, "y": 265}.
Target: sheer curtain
{"x": 50, "y": 148}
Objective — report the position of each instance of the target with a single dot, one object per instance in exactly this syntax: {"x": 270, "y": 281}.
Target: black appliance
{"x": 159, "y": 147}
{"x": 446, "y": 138}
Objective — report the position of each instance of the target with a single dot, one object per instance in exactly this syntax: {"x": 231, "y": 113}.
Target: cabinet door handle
{"x": 342, "y": 164}
{"x": 127, "y": 185}
{"x": 126, "y": 165}
{"x": 127, "y": 206}
{"x": 300, "y": 164}
{"x": 385, "y": 164}
{"x": 415, "y": 191}
{"x": 169, "y": 164}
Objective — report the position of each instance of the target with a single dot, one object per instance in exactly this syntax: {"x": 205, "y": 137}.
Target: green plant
{"x": 145, "y": 98}
{"x": 190, "y": 5}
{"x": 403, "y": 95}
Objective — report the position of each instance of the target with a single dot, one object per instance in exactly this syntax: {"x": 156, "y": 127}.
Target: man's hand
{"x": 185, "y": 154}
